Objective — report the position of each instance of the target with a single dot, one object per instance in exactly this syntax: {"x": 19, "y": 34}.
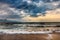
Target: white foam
{"x": 24, "y": 32}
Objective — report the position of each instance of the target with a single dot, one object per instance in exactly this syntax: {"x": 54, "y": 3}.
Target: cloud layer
{"x": 27, "y": 10}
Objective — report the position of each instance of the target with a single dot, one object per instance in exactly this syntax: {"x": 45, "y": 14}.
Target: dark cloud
{"x": 32, "y": 8}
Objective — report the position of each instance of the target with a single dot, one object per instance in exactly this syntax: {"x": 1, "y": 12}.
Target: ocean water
{"x": 21, "y": 26}
{"x": 27, "y": 29}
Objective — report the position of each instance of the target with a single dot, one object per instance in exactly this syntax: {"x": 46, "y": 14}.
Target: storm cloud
{"x": 27, "y": 8}
{"x": 33, "y": 7}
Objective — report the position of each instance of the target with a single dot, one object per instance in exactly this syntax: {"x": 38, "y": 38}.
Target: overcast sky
{"x": 30, "y": 10}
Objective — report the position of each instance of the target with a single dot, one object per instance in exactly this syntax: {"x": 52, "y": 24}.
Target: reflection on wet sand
{"x": 53, "y": 36}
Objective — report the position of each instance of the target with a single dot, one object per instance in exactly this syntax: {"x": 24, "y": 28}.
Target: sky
{"x": 30, "y": 10}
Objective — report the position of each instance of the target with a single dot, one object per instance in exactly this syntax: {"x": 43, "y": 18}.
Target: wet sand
{"x": 54, "y": 36}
